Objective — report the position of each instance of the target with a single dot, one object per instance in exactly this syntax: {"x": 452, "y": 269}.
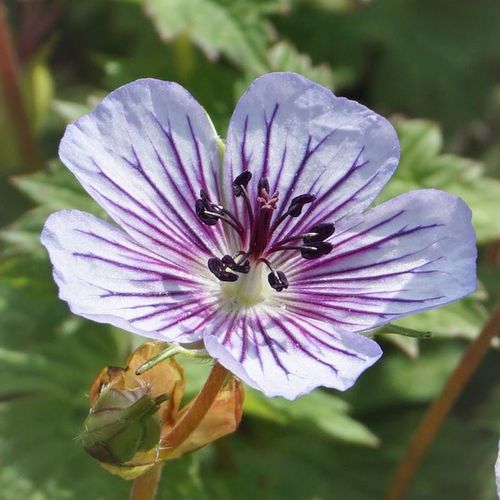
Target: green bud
{"x": 122, "y": 423}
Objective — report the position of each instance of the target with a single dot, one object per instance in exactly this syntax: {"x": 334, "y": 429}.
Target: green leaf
{"x": 398, "y": 379}
{"x": 284, "y": 57}
{"x": 318, "y": 411}
{"x": 56, "y": 189}
{"x": 236, "y": 29}
{"x": 441, "y": 48}
{"x": 422, "y": 166}
{"x": 462, "y": 319}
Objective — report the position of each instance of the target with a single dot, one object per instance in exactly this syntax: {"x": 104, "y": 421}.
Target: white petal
{"x": 306, "y": 140}
{"x": 144, "y": 154}
{"x": 106, "y": 276}
{"x": 410, "y": 254}
{"x": 283, "y": 354}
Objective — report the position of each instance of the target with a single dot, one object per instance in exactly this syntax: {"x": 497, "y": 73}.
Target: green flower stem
{"x": 439, "y": 410}
{"x": 13, "y": 99}
{"x": 170, "y": 352}
{"x": 198, "y": 408}
{"x": 146, "y": 486}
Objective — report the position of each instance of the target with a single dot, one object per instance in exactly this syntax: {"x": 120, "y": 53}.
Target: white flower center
{"x": 250, "y": 289}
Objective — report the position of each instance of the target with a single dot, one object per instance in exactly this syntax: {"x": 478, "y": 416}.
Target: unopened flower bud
{"x": 122, "y": 423}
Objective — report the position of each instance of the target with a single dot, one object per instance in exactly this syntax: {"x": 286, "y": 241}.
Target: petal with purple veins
{"x": 106, "y": 276}
{"x": 305, "y": 140}
{"x": 288, "y": 355}
{"x": 144, "y": 154}
{"x": 410, "y": 254}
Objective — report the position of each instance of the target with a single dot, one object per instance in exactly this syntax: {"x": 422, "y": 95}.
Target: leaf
{"x": 408, "y": 345}
{"x": 318, "y": 411}
{"x": 284, "y": 57}
{"x": 415, "y": 57}
{"x": 322, "y": 413}
{"x": 432, "y": 70}
{"x": 235, "y": 29}
{"x": 422, "y": 166}
{"x": 56, "y": 188}
{"x": 397, "y": 379}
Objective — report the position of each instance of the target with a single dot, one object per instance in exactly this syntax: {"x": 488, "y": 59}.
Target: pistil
{"x": 251, "y": 287}
{"x": 261, "y": 229}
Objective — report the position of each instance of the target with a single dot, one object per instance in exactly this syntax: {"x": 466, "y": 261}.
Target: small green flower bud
{"x": 122, "y": 423}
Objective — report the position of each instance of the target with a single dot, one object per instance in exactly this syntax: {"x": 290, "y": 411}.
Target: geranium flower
{"x": 266, "y": 256}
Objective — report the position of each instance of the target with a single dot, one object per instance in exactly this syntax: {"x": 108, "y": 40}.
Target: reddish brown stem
{"x": 198, "y": 408}
{"x": 14, "y": 104}
{"x": 146, "y": 486}
{"x": 439, "y": 410}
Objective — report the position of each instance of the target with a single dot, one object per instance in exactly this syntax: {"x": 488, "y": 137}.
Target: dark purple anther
{"x": 315, "y": 250}
{"x": 318, "y": 233}
{"x": 239, "y": 267}
{"x": 202, "y": 207}
{"x": 298, "y": 203}
{"x": 277, "y": 280}
{"x": 218, "y": 268}
{"x": 241, "y": 182}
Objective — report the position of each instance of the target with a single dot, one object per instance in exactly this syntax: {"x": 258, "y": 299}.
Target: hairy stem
{"x": 13, "y": 99}
{"x": 439, "y": 410}
{"x": 197, "y": 409}
{"x": 146, "y": 486}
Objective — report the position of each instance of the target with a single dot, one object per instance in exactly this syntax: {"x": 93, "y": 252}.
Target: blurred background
{"x": 433, "y": 66}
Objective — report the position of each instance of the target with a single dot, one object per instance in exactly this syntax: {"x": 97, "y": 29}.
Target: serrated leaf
{"x": 236, "y": 29}
{"x": 422, "y": 166}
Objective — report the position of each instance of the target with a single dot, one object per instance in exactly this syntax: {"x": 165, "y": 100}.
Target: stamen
{"x": 202, "y": 206}
{"x": 241, "y": 182}
{"x": 276, "y": 279}
{"x": 310, "y": 251}
{"x": 319, "y": 232}
{"x": 239, "y": 188}
{"x": 218, "y": 268}
{"x": 315, "y": 250}
{"x": 295, "y": 208}
{"x": 242, "y": 266}
{"x": 298, "y": 203}
{"x": 223, "y": 217}
{"x": 210, "y": 213}
{"x": 315, "y": 234}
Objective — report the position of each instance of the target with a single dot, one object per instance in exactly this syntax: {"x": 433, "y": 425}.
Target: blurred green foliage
{"x": 435, "y": 61}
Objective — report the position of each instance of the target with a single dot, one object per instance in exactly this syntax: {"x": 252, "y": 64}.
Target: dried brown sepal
{"x": 167, "y": 378}
{"x": 223, "y": 418}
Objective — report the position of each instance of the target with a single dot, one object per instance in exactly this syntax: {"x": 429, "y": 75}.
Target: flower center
{"x": 248, "y": 265}
{"x": 249, "y": 289}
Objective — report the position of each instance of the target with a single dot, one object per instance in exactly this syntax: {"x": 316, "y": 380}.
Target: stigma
{"x": 243, "y": 274}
